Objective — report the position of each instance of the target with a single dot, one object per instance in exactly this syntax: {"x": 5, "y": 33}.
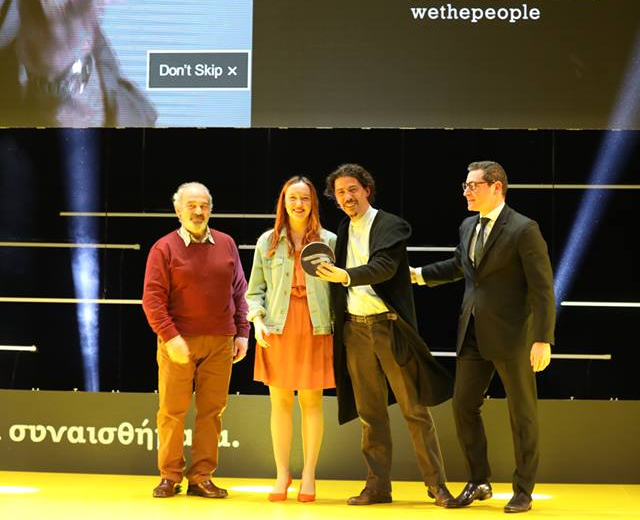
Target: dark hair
{"x": 491, "y": 172}
{"x": 350, "y": 170}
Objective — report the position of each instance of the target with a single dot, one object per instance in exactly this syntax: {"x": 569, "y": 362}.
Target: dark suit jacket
{"x": 387, "y": 271}
{"x": 511, "y": 289}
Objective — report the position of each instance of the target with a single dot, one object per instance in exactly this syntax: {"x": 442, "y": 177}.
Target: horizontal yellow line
{"x": 68, "y": 245}
{"x": 575, "y": 186}
{"x": 19, "y": 348}
{"x": 432, "y": 249}
{"x": 605, "y": 357}
{"x": 10, "y": 299}
{"x": 411, "y": 249}
{"x": 600, "y": 304}
{"x": 158, "y": 215}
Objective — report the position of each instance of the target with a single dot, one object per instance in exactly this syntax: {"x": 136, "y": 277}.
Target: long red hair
{"x": 282, "y": 218}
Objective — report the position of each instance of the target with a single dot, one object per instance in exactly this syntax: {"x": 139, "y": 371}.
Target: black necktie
{"x": 477, "y": 250}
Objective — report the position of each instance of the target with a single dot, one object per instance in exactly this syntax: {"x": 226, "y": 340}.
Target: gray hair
{"x": 184, "y": 186}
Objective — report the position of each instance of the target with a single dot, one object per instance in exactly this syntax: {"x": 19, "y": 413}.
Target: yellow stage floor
{"x": 54, "y": 496}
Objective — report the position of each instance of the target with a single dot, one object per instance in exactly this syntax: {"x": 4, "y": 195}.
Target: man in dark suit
{"x": 376, "y": 340}
{"x": 506, "y": 325}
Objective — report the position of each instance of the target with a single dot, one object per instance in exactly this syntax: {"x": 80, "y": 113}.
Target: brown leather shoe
{"x": 206, "y": 489}
{"x": 442, "y": 495}
{"x": 519, "y": 503}
{"x": 370, "y": 496}
{"x": 167, "y": 488}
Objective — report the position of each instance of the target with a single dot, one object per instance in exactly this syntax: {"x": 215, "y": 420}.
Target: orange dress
{"x": 296, "y": 359}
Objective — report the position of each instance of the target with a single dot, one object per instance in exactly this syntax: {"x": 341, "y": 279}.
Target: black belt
{"x": 372, "y": 318}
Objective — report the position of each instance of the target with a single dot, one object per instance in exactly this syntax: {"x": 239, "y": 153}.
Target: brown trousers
{"x": 207, "y": 372}
{"x": 371, "y": 363}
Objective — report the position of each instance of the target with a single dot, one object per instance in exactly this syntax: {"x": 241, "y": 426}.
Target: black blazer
{"x": 511, "y": 289}
{"x": 387, "y": 271}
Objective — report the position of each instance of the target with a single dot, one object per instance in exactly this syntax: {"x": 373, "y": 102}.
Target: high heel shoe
{"x": 279, "y": 497}
{"x": 306, "y": 497}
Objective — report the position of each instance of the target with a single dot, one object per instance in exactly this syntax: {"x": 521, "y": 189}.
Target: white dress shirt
{"x": 492, "y": 216}
{"x": 362, "y": 299}
{"x": 187, "y": 237}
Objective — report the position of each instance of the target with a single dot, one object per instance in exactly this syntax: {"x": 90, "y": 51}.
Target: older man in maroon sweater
{"x": 193, "y": 298}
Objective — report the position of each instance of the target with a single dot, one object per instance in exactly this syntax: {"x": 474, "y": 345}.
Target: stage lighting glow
{"x": 81, "y": 159}
{"x": 17, "y": 490}
{"x": 612, "y": 156}
{"x": 86, "y": 281}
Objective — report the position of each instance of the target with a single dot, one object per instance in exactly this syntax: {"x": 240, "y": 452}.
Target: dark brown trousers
{"x": 371, "y": 364}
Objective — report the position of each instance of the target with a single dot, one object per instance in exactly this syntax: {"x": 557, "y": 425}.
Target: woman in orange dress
{"x": 291, "y": 315}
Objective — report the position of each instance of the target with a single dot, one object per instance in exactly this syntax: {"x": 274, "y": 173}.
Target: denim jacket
{"x": 269, "y": 287}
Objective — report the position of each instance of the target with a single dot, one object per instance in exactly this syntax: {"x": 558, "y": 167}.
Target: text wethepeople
{"x": 448, "y": 12}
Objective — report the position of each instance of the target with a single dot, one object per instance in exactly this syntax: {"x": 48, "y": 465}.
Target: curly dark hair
{"x": 350, "y": 170}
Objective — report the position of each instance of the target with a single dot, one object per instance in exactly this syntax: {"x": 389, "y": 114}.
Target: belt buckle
{"x": 371, "y": 319}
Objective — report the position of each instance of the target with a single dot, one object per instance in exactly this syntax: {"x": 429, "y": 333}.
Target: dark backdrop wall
{"x": 418, "y": 174}
{"x": 374, "y": 63}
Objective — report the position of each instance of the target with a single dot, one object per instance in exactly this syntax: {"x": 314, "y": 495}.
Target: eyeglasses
{"x": 473, "y": 186}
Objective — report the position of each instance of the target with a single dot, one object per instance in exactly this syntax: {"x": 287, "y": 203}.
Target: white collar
{"x": 365, "y": 220}
{"x": 188, "y": 238}
{"x": 494, "y": 213}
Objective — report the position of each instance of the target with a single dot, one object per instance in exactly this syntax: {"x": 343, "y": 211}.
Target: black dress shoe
{"x": 519, "y": 503}
{"x": 441, "y": 494}
{"x": 370, "y": 496}
{"x": 167, "y": 488}
{"x": 472, "y": 491}
{"x": 206, "y": 489}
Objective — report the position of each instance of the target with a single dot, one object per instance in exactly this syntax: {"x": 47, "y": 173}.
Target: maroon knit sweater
{"x": 195, "y": 290}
